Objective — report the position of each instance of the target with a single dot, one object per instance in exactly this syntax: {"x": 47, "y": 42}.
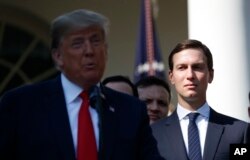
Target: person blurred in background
{"x": 156, "y": 93}
{"x": 121, "y": 83}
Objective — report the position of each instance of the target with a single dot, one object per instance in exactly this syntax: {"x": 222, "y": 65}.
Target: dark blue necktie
{"x": 193, "y": 138}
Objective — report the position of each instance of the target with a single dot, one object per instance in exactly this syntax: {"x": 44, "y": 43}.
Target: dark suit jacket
{"x": 34, "y": 125}
{"x": 222, "y": 131}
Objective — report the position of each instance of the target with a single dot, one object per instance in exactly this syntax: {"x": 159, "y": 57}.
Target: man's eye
{"x": 181, "y": 67}
{"x": 97, "y": 40}
{"x": 76, "y": 44}
{"x": 147, "y": 101}
{"x": 199, "y": 67}
{"x": 162, "y": 103}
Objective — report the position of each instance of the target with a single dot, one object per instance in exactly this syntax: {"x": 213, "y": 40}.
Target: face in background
{"x": 190, "y": 76}
{"x": 157, "y": 100}
{"x": 82, "y": 56}
{"x": 120, "y": 87}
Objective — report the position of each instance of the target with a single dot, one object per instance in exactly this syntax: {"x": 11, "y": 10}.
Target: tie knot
{"x": 84, "y": 95}
{"x": 193, "y": 116}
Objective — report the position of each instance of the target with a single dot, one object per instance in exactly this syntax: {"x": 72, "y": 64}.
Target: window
{"x": 24, "y": 49}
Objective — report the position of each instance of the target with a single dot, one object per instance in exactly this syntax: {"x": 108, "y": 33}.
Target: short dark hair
{"x": 153, "y": 80}
{"x": 191, "y": 44}
{"x": 120, "y": 78}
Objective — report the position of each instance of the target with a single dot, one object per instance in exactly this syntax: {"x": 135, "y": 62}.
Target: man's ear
{"x": 249, "y": 111}
{"x": 170, "y": 76}
{"x": 57, "y": 57}
{"x": 211, "y": 76}
{"x": 106, "y": 52}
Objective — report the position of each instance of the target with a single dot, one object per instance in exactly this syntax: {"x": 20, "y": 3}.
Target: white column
{"x": 224, "y": 26}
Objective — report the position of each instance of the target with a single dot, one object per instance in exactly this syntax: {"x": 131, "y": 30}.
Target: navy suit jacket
{"x": 34, "y": 125}
{"x": 221, "y": 132}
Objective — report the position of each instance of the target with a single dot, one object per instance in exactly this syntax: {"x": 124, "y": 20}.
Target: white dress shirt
{"x": 73, "y": 104}
{"x": 201, "y": 122}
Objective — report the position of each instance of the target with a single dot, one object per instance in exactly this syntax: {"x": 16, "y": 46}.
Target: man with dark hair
{"x": 194, "y": 130}
{"x": 155, "y": 92}
{"x": 73, "y": 116}
{"x": 121, "y": 83}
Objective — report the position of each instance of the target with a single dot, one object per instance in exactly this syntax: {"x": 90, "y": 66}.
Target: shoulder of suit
{"x": 225, "y": 119}
{"x": 32, "y": 89}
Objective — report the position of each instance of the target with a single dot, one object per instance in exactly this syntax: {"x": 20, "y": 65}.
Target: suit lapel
{"x": 59, "y": 121}
{"x": 109, "y": 126}
{"x": 175, "y": 138}
{"x": 214, "y": 133}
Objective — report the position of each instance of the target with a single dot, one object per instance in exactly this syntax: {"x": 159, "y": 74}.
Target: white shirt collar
{"x": 70, "y": 89}
{"x": 204, "y": 111}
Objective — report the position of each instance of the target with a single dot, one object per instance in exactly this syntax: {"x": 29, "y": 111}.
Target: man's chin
{"x": 191, "y": 94}
{"x": 93, "y": 79}
{"x": 191, "y": 97}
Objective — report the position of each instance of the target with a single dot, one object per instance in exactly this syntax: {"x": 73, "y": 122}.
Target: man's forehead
{"x": 91, "y": 30}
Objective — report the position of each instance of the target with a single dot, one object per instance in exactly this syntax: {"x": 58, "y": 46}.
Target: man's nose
{"x": 88, "y": 48}
{"x": 190, "y": 73}
{"x": 154, "y": 106}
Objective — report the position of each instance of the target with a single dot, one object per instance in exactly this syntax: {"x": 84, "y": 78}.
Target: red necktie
{"x": 86, "y": 147}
